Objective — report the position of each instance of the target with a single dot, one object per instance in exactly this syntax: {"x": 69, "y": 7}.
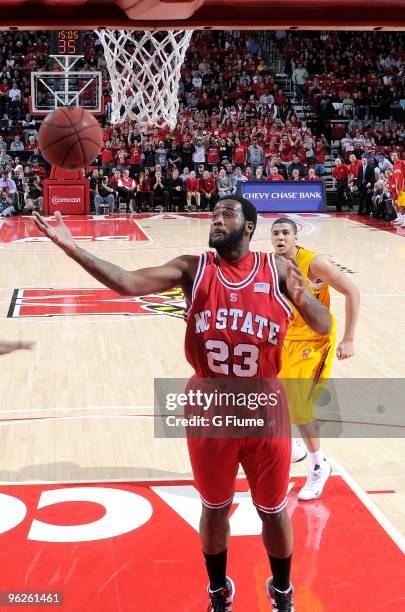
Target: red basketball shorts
{"x": 266, "y": 463}
{"x": 263, "y": 449}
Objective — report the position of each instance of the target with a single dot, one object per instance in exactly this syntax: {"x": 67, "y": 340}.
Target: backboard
{"x": 220, "y": 14}
{"x": 65, "y": 86}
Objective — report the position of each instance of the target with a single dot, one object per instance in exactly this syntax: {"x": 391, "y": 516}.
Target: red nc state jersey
{"x": 237, "y": 319}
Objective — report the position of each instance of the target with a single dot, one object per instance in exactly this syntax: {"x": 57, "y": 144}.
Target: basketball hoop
{"x": 144, "y": 69}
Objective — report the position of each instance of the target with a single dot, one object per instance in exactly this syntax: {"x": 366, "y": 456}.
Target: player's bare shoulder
{"x": 321, "y": 265}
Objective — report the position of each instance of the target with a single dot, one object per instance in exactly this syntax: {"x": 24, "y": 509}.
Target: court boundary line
{"x": 19, "y": 410}
{"x": 147, "y": 413}
{"x": 371, "y": 506}
{"x": 366, "y": 225}
{"x": 151, "y": 241}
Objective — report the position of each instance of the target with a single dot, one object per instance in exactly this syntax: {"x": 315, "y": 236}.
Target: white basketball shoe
{"x": 316, "y": 480}
{"x": 298, "y": 451}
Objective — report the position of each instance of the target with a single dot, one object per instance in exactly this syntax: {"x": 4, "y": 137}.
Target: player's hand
{"x": 295, "y": 282}
{"x": 345, "y": 349}
{"x": 9, "y": 347}
{"x": 60, "y": 234}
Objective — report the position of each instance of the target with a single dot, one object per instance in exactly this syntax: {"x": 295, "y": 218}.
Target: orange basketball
{"x": 70, "y": 137}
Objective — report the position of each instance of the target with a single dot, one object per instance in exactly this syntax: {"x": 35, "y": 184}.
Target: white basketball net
{"x": 144, "y": 69}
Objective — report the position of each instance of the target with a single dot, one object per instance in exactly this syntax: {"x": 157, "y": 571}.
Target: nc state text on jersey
{"x": 237, "y": 320}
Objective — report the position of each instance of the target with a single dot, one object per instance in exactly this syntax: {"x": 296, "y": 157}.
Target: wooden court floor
{"x": 78, "y": 406}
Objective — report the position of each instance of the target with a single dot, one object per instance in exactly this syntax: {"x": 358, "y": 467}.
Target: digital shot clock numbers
{"x": 67, "y": 42}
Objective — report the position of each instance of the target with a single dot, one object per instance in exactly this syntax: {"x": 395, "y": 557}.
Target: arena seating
{"x": 236, "y": 110}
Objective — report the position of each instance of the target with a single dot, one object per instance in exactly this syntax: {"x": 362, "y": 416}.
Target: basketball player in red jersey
{"x": 236, "y": 323}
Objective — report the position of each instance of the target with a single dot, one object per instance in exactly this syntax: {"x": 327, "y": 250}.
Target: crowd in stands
{"x": 234, "y": 123}
{"x": 362, "y": 71}
{"x": 372, "y": 181}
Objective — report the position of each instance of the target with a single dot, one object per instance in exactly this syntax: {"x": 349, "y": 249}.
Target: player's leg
{"x": 214, "y": 536}
{"x": 216, "y": 488}
{"x": 278, "y": 540}
{"x": 266, "y": 463}
{"x": 306, "y": 368}
{"x": 319, "y": 468}
{"x": 291, "y": 364}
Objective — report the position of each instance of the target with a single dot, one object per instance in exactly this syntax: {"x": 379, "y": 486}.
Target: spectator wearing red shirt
{"x": 311, "y": 175}
{"x": 193, "y": 190}
{"x": 274, "y": 175}
{"x": 31, "y": 144}
{"x": 135, "y": 158}
{"x": 126, "y": 188}
{"x": 114, "y": 180}
{"x": 122, "y": 159}
{"x": 208, "y": 189}
{"x": 106, "y": 157}
{"x": 4, "y": 89}
{"x": 285, "y": 149}
{"x": 212, "y": 154}
{"x": 271, "y": 148}
{"x": 108, "y": 131}
{"x": 340, "y": 177}
{"x": 275, "y": 132}
{"x": 239, "y": 153}
{"x": 353, "y": 167}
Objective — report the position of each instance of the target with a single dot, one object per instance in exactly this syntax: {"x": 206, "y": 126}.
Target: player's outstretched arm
{"x": 292, "y": 284}
{"x": 324, "y": 269}
{"x": 10, "y": 347}
{"x": 177, "y": 272}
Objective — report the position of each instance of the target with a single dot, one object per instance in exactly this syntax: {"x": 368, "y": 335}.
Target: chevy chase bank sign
{"x": 286, "y": 196}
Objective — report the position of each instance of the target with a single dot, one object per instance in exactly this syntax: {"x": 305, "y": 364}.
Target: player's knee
{"x": 274, "y": 519}
{"x": 211, "y": 515}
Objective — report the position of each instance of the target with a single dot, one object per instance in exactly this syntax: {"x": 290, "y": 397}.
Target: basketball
{"x": 70, "y": 137}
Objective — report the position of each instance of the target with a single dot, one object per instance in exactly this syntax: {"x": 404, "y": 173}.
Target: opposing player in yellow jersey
{"x": 306, "y": 355}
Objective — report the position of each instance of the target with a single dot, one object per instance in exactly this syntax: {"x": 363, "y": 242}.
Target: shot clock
{"x": 66, "y": 42}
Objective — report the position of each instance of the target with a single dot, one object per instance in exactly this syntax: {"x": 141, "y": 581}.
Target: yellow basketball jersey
{"x": 298, "y": 329}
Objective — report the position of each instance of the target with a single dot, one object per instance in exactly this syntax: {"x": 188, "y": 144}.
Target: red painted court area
{"x": 134, "y": 546}
{"x": 22, "y": 229}
{"x": 76, "y": 302}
